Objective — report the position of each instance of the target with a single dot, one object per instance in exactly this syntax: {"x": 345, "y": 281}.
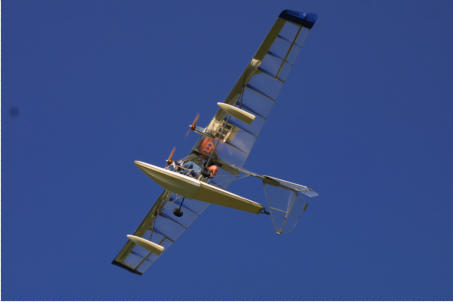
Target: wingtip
{"x": 299, "y": 17}
{"x": 122, "y": 265}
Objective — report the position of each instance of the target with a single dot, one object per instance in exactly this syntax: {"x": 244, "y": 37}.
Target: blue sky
{"x": 365, "y": 119}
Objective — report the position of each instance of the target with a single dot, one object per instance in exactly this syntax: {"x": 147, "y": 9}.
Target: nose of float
{"x": 141, "y": 165}
{"x": 150, "y": 170}
{"x": 170, "y": 180}
{"x": 156, "y": 173}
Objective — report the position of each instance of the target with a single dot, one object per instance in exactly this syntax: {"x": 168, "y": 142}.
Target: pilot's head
{"x": 207, "y": 146}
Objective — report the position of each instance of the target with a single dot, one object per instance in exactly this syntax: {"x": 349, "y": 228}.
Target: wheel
{"x": 178, "y": 212}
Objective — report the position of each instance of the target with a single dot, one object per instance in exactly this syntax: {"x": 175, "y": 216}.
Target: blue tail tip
{"x": 301, "y": 18}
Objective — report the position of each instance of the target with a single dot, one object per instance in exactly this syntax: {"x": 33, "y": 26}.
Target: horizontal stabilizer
{"x": 289, "y": 185}
{"x": 286, "y": 200}
{"x": 274, "y": 181}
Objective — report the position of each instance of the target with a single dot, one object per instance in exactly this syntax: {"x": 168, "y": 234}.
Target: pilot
{"x": 207, "y": 146}
{"x": 213, "y": 169}
{"x": 190, "y": 168}
{"x": 210, "y": 171}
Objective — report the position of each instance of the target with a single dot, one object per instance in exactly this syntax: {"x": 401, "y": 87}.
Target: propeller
{"x": 169, "y": 160}
{"x": 193, "y": 126}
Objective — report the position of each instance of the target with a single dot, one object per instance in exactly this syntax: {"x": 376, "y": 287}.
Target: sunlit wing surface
{"x": 159, "y": 226}
{"x": 258, "y": 88}
{"x": 255, "y": 92}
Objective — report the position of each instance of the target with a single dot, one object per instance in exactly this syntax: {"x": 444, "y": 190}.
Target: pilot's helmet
{"x": 207, "y": 146}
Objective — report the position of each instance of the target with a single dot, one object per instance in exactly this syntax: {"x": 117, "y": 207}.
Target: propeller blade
{"x": 194, "y": 123}
{"x": 169, "y": 161}
{"x": 193, "y": 126}
{"x": 187, "y": 133}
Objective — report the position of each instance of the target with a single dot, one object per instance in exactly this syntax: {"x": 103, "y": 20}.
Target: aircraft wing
{"x": 258, "y": 88}
{"x": 159, "y": 226}
{"x": 255, "y": 92}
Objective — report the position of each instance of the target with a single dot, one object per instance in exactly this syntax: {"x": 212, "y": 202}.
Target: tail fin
{"x": 286, "y": 202}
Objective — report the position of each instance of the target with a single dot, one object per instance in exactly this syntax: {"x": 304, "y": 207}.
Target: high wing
{"x": 159, "y": 226}
{"x": 255, "y": 92}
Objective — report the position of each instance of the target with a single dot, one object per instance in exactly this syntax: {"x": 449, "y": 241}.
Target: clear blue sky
{"x": 366, "y": 119}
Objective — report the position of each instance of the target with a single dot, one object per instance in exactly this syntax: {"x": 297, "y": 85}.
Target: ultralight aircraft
{"x": 218, "y": 156}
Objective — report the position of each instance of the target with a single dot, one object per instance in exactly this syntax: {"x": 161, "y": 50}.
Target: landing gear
{"x": 265, "y": 212}
{"x": 177, "y": 211}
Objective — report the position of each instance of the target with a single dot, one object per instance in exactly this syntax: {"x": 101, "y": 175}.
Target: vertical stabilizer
{"x": 285, "y": 205}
